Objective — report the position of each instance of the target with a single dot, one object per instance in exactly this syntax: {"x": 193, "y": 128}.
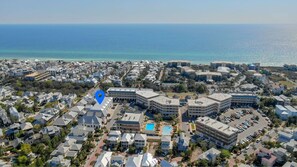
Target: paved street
{"x": 97, "y": 150}
{"x": 99, "y": 145}
{"x": 239, "y": 81}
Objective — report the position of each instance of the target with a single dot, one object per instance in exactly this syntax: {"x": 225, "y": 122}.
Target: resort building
{"x": 121, "y": 94}
{"x": 130, "y": 122}
{"x": 187, "y": 71}
{"x": 225, "y": 71}
{"x": 244, "y": 99}
{"x": 208, "y": 76}
{"x": 142, "y": 97}
{"x": 178, "y": 63}
{"x": 223, "y": 135}
{"x": 223, "y": 99}
{"x": 217, "y": 64}
{"x": 37, "y": 76}
{"x": 202, "y": 107}
{"x": 166, "y": 106}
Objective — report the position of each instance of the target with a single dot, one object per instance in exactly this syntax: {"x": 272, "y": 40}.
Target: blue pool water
{"x": 150, "y": 127}
{"x": 166, "y": 130}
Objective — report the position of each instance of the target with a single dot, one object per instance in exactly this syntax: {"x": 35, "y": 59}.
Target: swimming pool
{"x": 166, "y": 130}
{"x": 150, "y": 126}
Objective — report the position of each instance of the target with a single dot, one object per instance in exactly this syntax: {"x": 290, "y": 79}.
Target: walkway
{"x": 97, "y": 150}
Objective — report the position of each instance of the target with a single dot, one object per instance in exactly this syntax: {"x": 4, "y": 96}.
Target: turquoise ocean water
{"x": 267, "y": 44}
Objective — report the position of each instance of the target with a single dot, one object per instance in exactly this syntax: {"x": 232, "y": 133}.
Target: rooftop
{"x": 208, "y": 73}
{"x": 290, "y": 108}
{"x": 132, "y": 117}
{"x": 222, "y": 62}
{"x": 220, "y": 96}
{"x": 165, "y": 100}
{"x": 201, "y": 102}
{"x": 280, "y": 107}
{"x": 147, "y": 93}
{"x": 219, "y": 126}
{"x": 127, "y": 89}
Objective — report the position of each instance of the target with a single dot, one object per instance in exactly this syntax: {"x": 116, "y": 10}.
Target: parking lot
{"x": 248, "y": 121}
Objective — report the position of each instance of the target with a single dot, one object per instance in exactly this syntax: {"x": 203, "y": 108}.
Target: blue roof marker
{"x": 99, "y": 95}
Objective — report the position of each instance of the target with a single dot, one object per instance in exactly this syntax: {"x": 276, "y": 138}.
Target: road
{"x": 161, "y": 74}
{"x": 252, "y": 147}
{"x": 239, "y": 81}
{"x": 99, "y": 145}
{"x": 98, "y": 149}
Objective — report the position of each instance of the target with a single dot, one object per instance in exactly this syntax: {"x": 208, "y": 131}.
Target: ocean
{"x": 199, "y": 43}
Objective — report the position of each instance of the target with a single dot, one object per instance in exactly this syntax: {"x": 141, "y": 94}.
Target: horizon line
{"x": 148, "y": 23}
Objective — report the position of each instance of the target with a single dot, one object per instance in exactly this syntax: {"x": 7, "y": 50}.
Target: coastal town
{"x": 154, "y": 114}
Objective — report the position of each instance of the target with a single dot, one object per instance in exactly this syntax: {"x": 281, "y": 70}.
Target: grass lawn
{"x": 288, "y": 84}
{"x": 193, "y": 126}
{"x": 181, "y": 95}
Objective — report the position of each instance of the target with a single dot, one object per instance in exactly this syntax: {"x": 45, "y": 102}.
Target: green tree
{"x": 202, "y": 162}
{"x": 225, "y": 154}
{"x": 180, "y": 88}
{"x": 26, "y": 149}
{"x": 22, "y": 159}
{"x": 39, "y": 162}
{"x": 158, "y": 117}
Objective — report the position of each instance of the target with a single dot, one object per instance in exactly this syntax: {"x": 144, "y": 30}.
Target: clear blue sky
{"x": 148, "y": 11}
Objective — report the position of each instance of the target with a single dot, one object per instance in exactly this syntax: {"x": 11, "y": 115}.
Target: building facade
{"x": 166, "y": 106}
{"x": 223, "y": 135}
{"x": 130, "y": 122}
{"x": 241, "y": 99}
{"x": 223, "y": 99}
{"x": 143, "y": 97}
{"x": 202, "y": 107}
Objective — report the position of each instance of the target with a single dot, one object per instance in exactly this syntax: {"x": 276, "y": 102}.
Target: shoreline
{"x": 134, "y": 60}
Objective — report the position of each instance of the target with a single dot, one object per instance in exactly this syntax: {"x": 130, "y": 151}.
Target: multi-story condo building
{"x": 178, "y": 63}
{"x": 217, "y": 64}
{"x": 128, "y": 94}
{"x": 166, "y": 106}
{"x": 244, "y": 99}
{"x": 143, "y": 96}
{"x": 223, "y": 99}
{"x": 202, "y": 107}
{"x": 208, "y": 76}
{"x": 130, "y": 122}
{"x": 223, "y": 135}
{"x": 37, "y": 76}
